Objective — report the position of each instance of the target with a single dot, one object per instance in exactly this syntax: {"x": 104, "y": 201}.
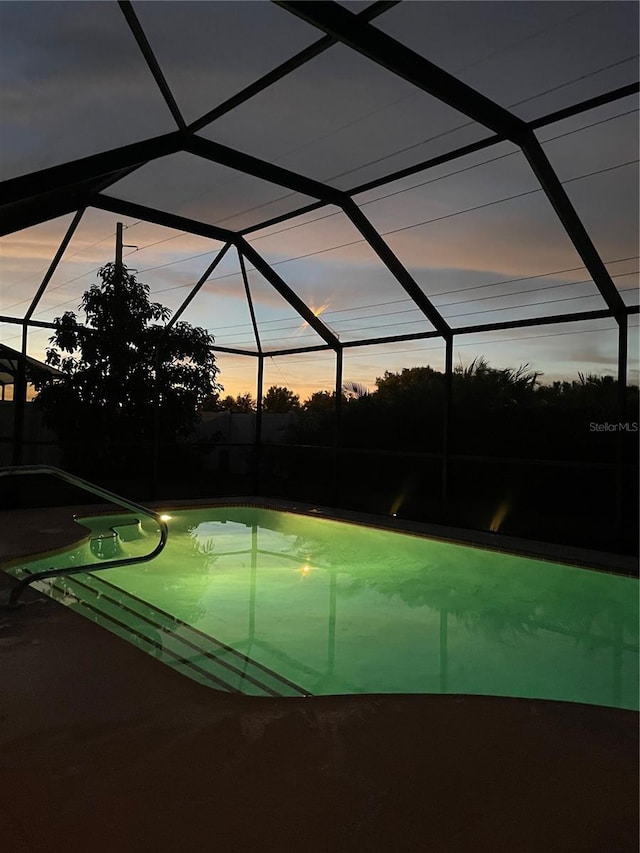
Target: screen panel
{"x": 25, "y": 257}
{"x": 343, "y": 119}
{"x": 302, "y": 373}
{"x": 482, "y": 240}
{"x": 221, "y": 307}
{"x": 74, "y": 84}
{"x": 11, "y": 335}
{"x": 596, "y": 158}
{"x": 365, "y": 365}
{"x": 210, "y": 51}
{"x": 633, "y": 364}
{"x": 531, "y": 57}
{"x": 191, "y": 186}
{"x": 91, "y": 247}
{"x": 338, "y": 275}
{"x": 279, "y": 324}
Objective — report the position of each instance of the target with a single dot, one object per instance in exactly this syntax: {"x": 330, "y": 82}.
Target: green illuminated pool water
{"x": 274, "y": 603}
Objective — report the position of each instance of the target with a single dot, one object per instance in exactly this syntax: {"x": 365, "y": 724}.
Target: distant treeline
{"x": 498, "y": 412}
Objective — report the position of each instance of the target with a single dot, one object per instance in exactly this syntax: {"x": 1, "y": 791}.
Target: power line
{"x": 525, "y": 100}
{"x": 439, "y": 307}
{"x": 348, "y": 352}
{"x": 508, "y": 198}
{"x": 448, "y": 292}
{"x": 412, "y": 95}
{"x": 337, "y": 213}
{"x": 50, "y": 289}
{"x": 467, "y": 313}
{"x": 280, "y": 157}
{"x": 441, "y": 177}
{"x": 494, "y": 296}
{"x": 422, "y": 183}
{"x": 471, "y": 123}
{"x": 361, "y": 239}
{"x": 391, "y": 302}
{"x": 450, "y": 215}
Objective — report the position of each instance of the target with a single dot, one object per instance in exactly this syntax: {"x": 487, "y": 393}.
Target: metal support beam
{"x": 35, "y": 209}
{"x": 489, "y": 141}
{"x": 391, "y": 339}
{"x": 423, "y": 165}
{"x": 446, "y": 424}
{"x": 250, "y": 165}
{"x": 285, "y": 291}
{"x": 585, "y": 106}
{"x": 542, "y": 321}
{"x": 93, "y": 168}
{"x": 376, "y": 45}
{"x": 247, "y": 291}
{"x": 234, "y": 351}
{"x": 138, "y": 33}
{"x": 284, "y": 217}
{"x": 571, "y": 222}
{"x": 31, "y": 211}
{"x": 19, "y": 402}
{"x": 338, "y": 430}
{"x": 257, "y": 456}
{"x": 296, "y": 350}
{"x": 196, "y": 288}
{"x": 623, "y": 348}
{"x": 397, "y": 270}
{"x": 623, "y": 345}
{"x": 467, "y": 330}
{"x": 18, "y": 321}
{"x": 54, "y": 264}
{"x": 160, "y": 217}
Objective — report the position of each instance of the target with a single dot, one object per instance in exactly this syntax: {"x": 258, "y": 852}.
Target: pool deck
{"x": 103, "y": 748}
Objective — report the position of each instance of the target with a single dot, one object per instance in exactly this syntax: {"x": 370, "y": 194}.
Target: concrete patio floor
{"x": 103, "y": 748}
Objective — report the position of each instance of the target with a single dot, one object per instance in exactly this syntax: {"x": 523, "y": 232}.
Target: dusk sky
{"x": 477, "y": 234}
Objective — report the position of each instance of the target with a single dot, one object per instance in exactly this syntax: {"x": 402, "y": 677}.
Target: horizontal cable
{"x": 465, "y": 313}
{"x": 336, "y": 213}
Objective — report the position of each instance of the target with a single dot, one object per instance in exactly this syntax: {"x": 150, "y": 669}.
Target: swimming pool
{"x": 271, "y": 603}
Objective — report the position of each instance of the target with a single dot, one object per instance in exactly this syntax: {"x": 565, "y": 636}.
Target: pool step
{"x": 168, "y": 638}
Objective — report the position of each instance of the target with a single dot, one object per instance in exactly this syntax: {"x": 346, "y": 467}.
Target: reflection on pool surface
{"x": 274, "y": 603}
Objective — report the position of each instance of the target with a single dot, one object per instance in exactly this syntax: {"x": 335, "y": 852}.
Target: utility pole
{"x": 119, "y": 246}
{"x": 119, "y": 252}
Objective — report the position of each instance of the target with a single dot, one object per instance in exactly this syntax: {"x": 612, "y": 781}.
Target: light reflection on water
{"x": 339, "y": 608}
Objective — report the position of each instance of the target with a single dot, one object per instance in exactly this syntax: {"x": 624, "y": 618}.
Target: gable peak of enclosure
{"x": 302, "y": 177}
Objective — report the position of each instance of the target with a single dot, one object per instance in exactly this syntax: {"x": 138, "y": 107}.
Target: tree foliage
{"x": 320, "y": 402}
{"x": 121, "y": 364}
{"x": 242, "y": 404}
{"x": 280, "y": 400}
{"x": 495, "y": 411}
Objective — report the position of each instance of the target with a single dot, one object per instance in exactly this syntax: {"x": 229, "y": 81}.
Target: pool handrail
{"x": 113, "y": 498}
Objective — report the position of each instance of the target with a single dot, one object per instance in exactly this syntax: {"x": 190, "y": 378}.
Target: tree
{"x": 355, "y": 390}
{"x": 242, "y": 404}
{"x": 120, "y": 366}
{"x": 411, "y": 385}
{"x": 320, "y": 402}
{"x": 211, "y": 403}
{"x": 481, "y": 385}
{"x": 279, "y": 400}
